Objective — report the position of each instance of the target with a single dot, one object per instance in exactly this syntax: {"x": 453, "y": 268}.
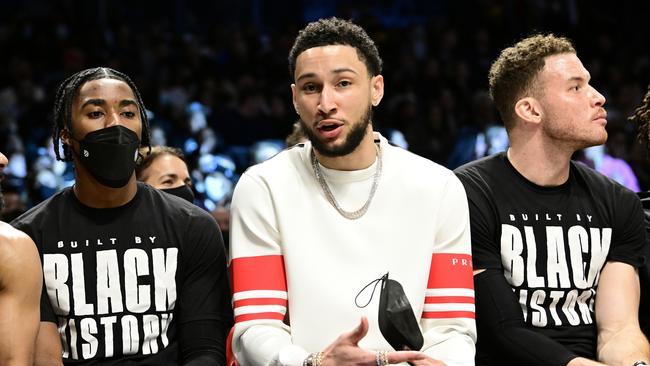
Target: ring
{"x": 381, "y": 358}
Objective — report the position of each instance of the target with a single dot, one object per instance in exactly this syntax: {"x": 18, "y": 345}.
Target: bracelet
{"x": 639, "y": 363}
{"x": 315, "y": 359}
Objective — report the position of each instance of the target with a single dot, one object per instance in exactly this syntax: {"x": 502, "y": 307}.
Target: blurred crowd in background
{"x": 214, "y": 77}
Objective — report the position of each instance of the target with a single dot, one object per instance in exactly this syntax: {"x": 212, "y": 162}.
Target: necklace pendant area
{"x": 350, "y": 215}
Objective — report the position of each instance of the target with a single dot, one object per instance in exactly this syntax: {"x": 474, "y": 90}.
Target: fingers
{"x": 405, "y": 356}
{"x": 359, "y": 332}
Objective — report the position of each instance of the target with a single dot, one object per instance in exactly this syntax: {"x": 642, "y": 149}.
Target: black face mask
{"x": 185, "y": 192}
{"x": 110, "y": 155}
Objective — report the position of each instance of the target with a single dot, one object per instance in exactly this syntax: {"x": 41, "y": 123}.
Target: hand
{"x": 581, "y": 361}
{"x": 345, "y": 351}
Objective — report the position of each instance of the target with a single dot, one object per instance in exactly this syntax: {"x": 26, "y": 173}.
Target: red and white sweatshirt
{"x": 291, "y": 249}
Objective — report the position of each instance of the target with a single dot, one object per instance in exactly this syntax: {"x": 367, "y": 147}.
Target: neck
{"x": 543, "y": 165}
{"x": 362, "y": 157}
{"x": 96, "y": 195}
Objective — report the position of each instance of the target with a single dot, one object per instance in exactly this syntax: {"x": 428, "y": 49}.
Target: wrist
{"x": 314, "y": 359}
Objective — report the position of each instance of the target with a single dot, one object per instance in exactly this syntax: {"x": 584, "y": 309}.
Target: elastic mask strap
{"x": 375, "y": 282}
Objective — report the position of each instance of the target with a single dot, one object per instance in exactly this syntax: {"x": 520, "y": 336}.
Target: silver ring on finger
{"x": 381, "y": 358}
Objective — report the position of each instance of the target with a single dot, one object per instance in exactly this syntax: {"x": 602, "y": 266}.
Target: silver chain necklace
{"x": 330, "y": 197}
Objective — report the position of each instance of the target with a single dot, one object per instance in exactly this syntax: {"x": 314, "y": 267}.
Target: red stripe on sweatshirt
{"x": 448, "y": 300}
{"x": 264, "y": 272}
{"x": 450, "y": 271}
{"x": 259, "y": 316}
{"x": 447, "y": 314}
{"x": 260, "y": 302}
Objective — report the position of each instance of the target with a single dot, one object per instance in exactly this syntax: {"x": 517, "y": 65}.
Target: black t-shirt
{"x": 140, "y": 284}
{"x": 644, "y": 272}
{"x": 551, "y": 244}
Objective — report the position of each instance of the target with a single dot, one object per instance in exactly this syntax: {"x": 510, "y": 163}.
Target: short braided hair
{"x": 68, "y": 90}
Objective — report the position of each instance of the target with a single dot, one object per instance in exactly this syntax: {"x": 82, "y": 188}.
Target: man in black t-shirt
{"x": 132, "y": 275}
{"x": 555, "y": 245}
{"x": 641, "y": 118}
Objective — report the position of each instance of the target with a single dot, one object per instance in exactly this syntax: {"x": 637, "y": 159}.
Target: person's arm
{"x": 260, "y": 336}
{"x": 48, "y": 346}
{"x": 20, "y": 289}
{"x": 204, "y": 311}
{"x": 620, "y": 341}
{"x": 447, "y": 322}
{"x": 499, "y": 317}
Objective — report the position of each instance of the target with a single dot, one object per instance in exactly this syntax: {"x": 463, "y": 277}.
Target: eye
{"x": 310, "y": 88}
{"x": 129, "y": 114}
{"x": 95, "y": 114}
{"x": 575, "y": 88}
{"x": 344, "y": 83}
{"x": 167, "y": 182}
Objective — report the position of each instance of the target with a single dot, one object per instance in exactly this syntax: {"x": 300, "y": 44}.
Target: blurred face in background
{"x": 167, "y": 171}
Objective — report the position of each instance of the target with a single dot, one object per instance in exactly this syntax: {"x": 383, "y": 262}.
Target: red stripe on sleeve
{"x": 258, "y": 316}
{"x": 450, "y": 271}
{"x": 447, "y": 314}
{"x": 260, "y": 301}
{"x": 448, "y": 300}
{"x": 258, "y": 273}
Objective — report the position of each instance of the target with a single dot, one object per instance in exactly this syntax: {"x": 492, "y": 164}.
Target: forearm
{"x": 624, "y": 347}
{"x": 261, "y": 345}
{"x": 455, "y": 349}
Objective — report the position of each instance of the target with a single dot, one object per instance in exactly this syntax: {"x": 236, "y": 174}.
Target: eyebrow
{"x": 335, "y": 71}
{"x": 100, "y": 102}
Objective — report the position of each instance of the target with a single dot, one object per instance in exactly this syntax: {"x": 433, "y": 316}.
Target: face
{"x": 103, "y": 103}
{"x": 3, "y": 164}
{"x": 572, "y": 109}
{"x": 167, "y": 171}
{"x": 333, "y": 95}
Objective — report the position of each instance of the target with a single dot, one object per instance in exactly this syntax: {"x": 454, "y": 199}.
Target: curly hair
{"x": 641, "y": 118}
{"x": 512, "y": 75}
{"x": 335, "y": 31}
{"x": 68, "y": 90}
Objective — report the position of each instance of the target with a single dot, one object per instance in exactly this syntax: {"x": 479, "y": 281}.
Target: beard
{"x": 2, "y": 203}
{"x": 352, "y": 141}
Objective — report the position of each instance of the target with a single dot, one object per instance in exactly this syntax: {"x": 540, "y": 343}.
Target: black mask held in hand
{"x": 185, "y": 192}
{"x": 397, "y": 322}
{"x": 110, "y": 155}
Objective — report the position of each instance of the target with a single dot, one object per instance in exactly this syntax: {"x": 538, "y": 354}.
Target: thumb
{"x": 359, "y": 332}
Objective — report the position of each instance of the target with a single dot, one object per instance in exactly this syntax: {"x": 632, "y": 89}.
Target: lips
{"x": 601, "y": 117}
{"x": 329, "y": 128}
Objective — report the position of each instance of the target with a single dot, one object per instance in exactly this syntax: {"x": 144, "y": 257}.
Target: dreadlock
{"x": 62, "y": 116}
{"x": 641, "y": 118}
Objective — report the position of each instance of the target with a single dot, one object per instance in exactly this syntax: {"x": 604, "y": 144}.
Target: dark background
{"x": 214, "y": 73}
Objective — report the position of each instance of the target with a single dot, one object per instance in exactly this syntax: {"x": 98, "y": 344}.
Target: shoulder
{"x": 39, "y": 213}
{"x": 283, "y": 162}
{"x": 601, "y": 185}
{"x": 18, "y": 254}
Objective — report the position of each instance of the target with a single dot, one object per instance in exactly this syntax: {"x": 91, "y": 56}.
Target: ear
{"x": 377, "y": 89}
{"x": 293, "y": 98}
{"x": 529, "y": 110}
{"x": 65, "y": 136}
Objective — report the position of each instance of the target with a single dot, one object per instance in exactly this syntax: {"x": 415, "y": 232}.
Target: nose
{"x": 599, "y": 99}
{"x": 112, "y": 118}
{"x": 326, "y": 102}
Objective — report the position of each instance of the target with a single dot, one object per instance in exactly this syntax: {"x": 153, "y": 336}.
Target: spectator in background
{"x": 555, "y": 244}
{"x": 132, "y": 275}
{"x": 164, "y": 168}
{"x": 20, "y": 289}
